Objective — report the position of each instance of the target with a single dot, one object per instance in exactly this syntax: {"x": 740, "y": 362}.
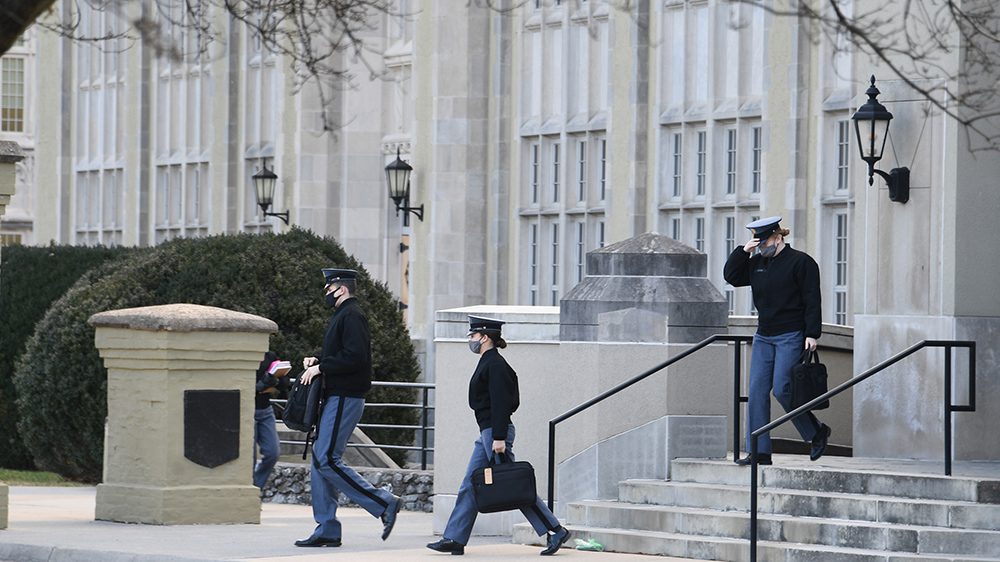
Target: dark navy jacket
{"x": 346, "y": 359}
{"x": 785, "y": 290}
{"x": 493, "y": 393}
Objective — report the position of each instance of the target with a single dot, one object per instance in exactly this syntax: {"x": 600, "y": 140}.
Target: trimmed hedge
{"x": 62, "y": 384}
{"x": 31, "y": 278}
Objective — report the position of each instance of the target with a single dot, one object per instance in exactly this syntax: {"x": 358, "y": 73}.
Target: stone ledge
{"x": 290, "y": 483}
{"x": 182, "y": 318}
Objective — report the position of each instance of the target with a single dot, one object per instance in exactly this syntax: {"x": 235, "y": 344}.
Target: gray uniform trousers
{"x": 330, "y": 474}
{"x": 463, "y": 517}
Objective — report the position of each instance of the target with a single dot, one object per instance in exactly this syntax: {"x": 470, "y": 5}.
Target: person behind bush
{"x": 265, "y": 433}
{"x": 493, "y": 396}
{"x": 346, "y": 368}
{"x": 784, "y": 283}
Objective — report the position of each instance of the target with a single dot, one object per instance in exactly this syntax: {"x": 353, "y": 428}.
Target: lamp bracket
{"x": 898, "y": 181}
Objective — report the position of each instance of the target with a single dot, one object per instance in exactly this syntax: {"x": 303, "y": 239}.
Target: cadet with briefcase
{"x": 493, "y": 481}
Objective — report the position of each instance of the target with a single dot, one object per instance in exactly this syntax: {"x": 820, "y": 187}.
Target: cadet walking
{"x": 785, "y": 286}
{"x": 346, "y": 368}
{"x": 493, "y": 396}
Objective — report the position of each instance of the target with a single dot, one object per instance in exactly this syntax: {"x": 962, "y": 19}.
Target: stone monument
{"x": 650, "y": 288}
{"x": 179, "y": 438}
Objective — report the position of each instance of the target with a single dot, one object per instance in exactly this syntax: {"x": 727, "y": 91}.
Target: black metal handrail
{"x": 424, "y": 426}
{"x": 949, "y": 408}
{"x": 737, "y": 397}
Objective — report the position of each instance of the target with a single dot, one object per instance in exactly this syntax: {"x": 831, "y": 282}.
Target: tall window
{"x": 535, "y": 169}
{"x": 581, "y": 250}
{"x": 678, "y": 164}
{"x": 730, "y": 161}
{"x": 182, "y": 146}
{"x": 675, "y": 229}
{"x": 756, "y": 150}
{"x": 581, "y": 171}
{"x": 699, "y": 234}
{"x": 840, "y": 285}
{"x": 12, "y": 95}
{"x": 702, "y": 147}
{"x": 555, "y": 264}
{"x": 600, "y": 234}
{"x": 843, "y": 154}
{"x": 604, "y": 169}
{"x": 263, "y": 84}
{"x": 555, "y": 172}
{"x": 730, "y": 246}
{"x": 533, "y": 265}
{"x": 99, "y": 159}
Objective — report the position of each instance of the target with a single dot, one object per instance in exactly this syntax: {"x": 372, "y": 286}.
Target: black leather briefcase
{"x": 504, "y": 486}
{"x": 809, "y": 381}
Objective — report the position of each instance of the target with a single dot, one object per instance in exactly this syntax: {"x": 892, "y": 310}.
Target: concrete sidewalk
{"x": 57, "y": 525}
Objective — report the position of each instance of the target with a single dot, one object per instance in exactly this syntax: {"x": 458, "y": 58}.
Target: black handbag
{"x": 809, "y": 381}
{"x": 504, "y": 486}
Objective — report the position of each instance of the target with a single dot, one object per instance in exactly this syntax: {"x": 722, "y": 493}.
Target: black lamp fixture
{"x": 871, "y": 123}
{"x": 263, "y": 185}
{"x": 397, "y": 175}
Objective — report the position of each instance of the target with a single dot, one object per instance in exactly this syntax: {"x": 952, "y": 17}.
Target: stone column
{"x": 179, "y": 437}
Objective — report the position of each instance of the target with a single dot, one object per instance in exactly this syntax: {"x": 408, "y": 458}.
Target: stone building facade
{"x": 535, "y": 135}
{"x": 538, "y": 130}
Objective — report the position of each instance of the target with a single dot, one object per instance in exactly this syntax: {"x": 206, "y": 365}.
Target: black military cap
{"x": 333, "y": 275}
{"x": 484, "y": 325}
{"x": 763, "y": 229}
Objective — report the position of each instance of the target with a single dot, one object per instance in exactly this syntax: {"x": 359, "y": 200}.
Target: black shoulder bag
{"x": 303, "y": 408}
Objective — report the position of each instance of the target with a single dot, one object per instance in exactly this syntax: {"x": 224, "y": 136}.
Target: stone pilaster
{"x": 179, "y": 438}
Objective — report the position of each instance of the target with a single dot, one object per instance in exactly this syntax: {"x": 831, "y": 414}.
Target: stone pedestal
{"x": 4, "y": 501}
{"x": 179, "y": 438}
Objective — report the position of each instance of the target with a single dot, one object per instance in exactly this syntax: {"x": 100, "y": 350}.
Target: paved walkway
{"x": 57, "y": 525}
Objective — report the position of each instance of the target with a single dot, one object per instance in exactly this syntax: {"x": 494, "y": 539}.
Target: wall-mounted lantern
{"x": 871, "y": 123}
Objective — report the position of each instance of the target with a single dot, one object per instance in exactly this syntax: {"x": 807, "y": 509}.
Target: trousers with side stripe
{"x": 463, "y": 517}
{"x": 329, "y": 473}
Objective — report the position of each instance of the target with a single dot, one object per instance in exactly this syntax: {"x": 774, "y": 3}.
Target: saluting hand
{"x": 811, "y": 344}
{"x": 750, "y": 245}
{"x": 499, "y": 446}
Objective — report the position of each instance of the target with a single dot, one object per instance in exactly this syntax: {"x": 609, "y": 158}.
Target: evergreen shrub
{"x": 31, "y": 279}
{"x": 62, "y": 383}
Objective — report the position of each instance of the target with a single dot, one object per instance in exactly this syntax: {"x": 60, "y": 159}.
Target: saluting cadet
{"x": 346, "y": 368}
{"x": 493, "y": 396}
{"x": 785, "y": 287}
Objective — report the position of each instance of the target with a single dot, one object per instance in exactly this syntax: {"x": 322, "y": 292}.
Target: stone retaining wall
{"x": 289, "y": 483}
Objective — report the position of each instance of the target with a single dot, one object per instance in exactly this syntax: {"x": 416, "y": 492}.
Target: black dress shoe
{"x": 447, "y": 545}
{"x": 762, "y": 458}
{"x": 556, "y": 540}
{"x": 819, "y": 442}
{"x": 318, "y": 541}
{"x": 389, "y": 517}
